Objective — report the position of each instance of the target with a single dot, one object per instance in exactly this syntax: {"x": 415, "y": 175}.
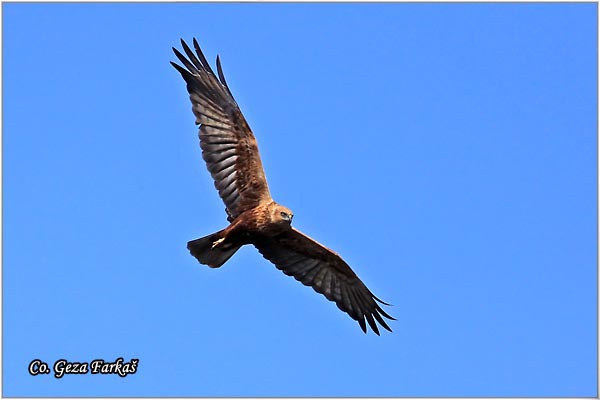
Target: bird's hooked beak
{"x": 288, "y": 217}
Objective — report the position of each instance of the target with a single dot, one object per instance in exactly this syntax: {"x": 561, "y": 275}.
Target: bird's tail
{"x": 209, "y": 251}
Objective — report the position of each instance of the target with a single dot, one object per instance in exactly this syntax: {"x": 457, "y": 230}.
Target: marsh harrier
{"x": 231, "y": 154}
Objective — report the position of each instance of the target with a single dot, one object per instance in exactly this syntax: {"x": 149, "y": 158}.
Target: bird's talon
{"x": 217, "y": 242}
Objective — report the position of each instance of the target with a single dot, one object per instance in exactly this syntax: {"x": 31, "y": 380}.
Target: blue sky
{"x": 446, "y": 151}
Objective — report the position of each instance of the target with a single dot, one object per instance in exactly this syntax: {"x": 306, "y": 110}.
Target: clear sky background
{"x": 446, "y": 151}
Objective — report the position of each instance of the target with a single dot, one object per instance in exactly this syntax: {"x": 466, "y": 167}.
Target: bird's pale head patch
{"x": 282, "y": 214}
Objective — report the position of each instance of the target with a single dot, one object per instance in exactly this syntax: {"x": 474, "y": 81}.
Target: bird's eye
{"x": 283, "y": 214}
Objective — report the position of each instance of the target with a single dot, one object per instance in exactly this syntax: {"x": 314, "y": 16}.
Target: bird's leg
{"x": 217, "y": 242}
{"x": 230, "y": 236}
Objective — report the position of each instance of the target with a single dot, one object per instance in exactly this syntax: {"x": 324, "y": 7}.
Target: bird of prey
{"x": 230, "y": 151}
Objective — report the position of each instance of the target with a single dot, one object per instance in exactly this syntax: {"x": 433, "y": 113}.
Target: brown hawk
{"x": 231, "y": 154}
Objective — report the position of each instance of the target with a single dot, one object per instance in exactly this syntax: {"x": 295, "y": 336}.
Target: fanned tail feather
{"x": 213, "y": 256}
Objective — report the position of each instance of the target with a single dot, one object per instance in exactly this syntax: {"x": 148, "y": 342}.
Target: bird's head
{"x": 282, "y": 214}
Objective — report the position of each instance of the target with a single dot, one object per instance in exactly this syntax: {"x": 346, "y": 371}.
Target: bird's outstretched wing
{"x": 315, "y": 265}
{"x": 228, "y": 144}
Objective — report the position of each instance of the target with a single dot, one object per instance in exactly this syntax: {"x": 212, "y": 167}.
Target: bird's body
{"x": 230, "y": 151}
{"x": 264, "y": 220}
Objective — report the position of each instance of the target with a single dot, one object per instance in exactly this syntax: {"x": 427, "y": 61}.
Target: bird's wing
{"x": 228, "y": 144}
{"x": 315, "y": 265}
